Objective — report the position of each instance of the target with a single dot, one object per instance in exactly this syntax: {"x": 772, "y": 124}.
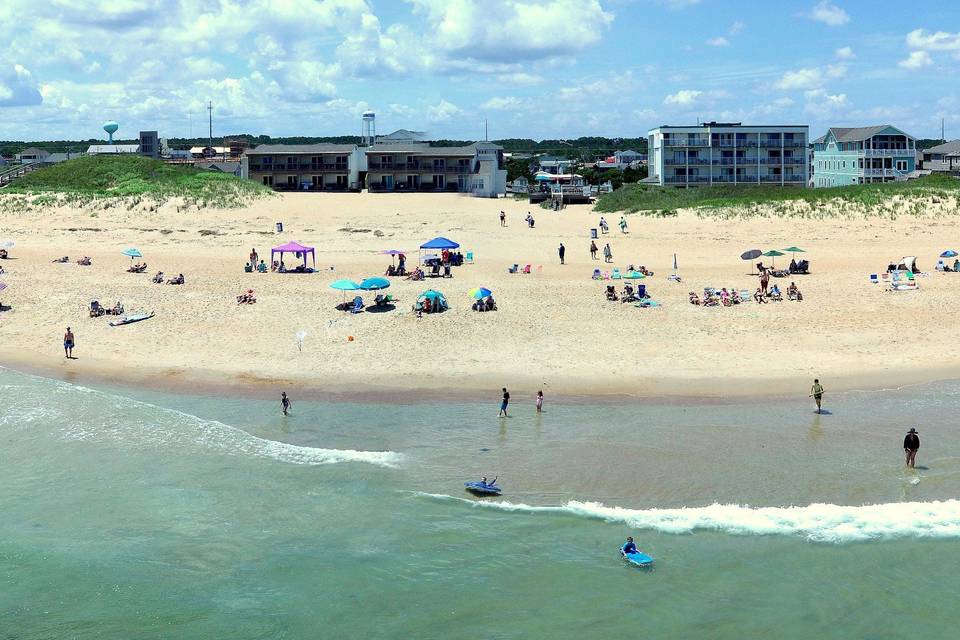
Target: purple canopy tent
{"x": 296, "y": 248}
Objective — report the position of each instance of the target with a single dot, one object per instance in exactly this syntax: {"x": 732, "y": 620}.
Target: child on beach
{"x": 539, "y": 401}
{"x": 284, "y": 402}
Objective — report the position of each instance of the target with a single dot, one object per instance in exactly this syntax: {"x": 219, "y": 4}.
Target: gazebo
{"x": 295, "y": 248}
{"x": 437, "y": 244}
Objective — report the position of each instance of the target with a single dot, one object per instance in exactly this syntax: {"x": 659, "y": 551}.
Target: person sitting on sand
{"x": 416, "y": 274}
{"x": 177, "y": 280}
{"x": 3, "y": 254}
{"x": 611, "y": 293}
{"x": 956, "y": 264}
{"x": 62, "y": 260}
{"x": 248, "y": 268}
{"x": 793, "y": 293}
{"x": 759, "y": 297}
{"x": 490, "y": 304}
{"x": 775, "y": 293}
{"x": 725, "y": 297}
{"x": 117, "y": 309}
{"x": 735, "y": 297}
{"x": 158, "y": 279}
{"x": 246, "y": 298}
{"x": 391, "y": 271}
{"x": 262, "y": 267}
{"x": 694, "y": 298}
{"x": 628, "y": 293}
{"x": 85, "y": 261}
{"x": 274, "y": 266}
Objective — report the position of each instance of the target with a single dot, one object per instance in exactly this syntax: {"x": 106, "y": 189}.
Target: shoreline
{"x": 696, "y": 391}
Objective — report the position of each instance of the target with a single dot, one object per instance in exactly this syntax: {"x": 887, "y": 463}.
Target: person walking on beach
{"x": 816, "y": 392}
{"x": 506, "y": 401}
{"x": 68, "y": 341}
{"x": 911, "y": 444}
{"x": 284, "y": 402}
{"x": 593, "y": 250}
{"x": 607, "y": 253}
{"x": 623, "y": 224}
{"x": 503, "y": 219}
{"x": 254, "y": 258}
{"x": 562, "y": 251}
{"x": 603, "y": 225}
{"x": 540, "y": 401}
{"x": 764, "y": 281}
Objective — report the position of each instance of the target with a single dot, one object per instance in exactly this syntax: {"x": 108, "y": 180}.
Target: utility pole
{"x": 942, "y": 138}
{"x": 486, "y": 131}
{"x": 210, "y": 115}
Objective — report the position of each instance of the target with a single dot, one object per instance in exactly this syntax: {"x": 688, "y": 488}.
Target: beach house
{"x": 845, "y": 156}
{"x": 304, "y": 167}
{"x": 943, "y": 157}
{"x": 476, "y": 168}
{"x": 728, "y": 153}
{"x": 32, "y": 155}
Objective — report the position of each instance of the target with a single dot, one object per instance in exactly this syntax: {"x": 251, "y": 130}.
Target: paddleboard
{"x": 481, "y": 489}
{"x": 137, "y": 317}
{"x": 639, "y": 558}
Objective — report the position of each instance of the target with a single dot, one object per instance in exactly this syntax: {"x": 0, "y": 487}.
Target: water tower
{"x": 111, "y": 128}
{"x": 369, "y": 132}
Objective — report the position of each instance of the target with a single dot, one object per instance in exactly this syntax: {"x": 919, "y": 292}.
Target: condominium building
{"x": 943, "y": 157}
{"x": 477, "y": 168}
{"x": 715, "y": 153}
{"x": 845, "y": 156}
{"x": 304, "y": 167}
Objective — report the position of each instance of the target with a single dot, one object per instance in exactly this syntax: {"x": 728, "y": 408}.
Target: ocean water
{"x": 134, "y": 514}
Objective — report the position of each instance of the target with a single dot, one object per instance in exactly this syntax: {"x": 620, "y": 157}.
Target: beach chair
{"x": 642, "y": 291}
{"x": 514, "y": 269}
{"x": 596, "y": 275}
{"x": 469, "y": 257}
{"x": 874, "y": 279}
{"x": 745, "y": 295}
{"x": 446, "y": 271}
{"x": 435, "y": 270}
{"x": 616, "y": 273}
{"x": 527, "y": 268}
{"x": 357, "y": 305}
{"x": 96, "y": 310}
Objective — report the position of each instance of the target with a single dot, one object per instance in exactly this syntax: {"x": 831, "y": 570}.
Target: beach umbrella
{"x": 344, "y": 285}
{"x": 7, "y": 244}
{"x": 393, "y": 253}
{"x": 3, "y": 285}
{"x": 794, "y": 250}
{"x": 773, "y": 253}
{"x": 374, "y": 284}
{"x": 480, "y": 292}
{"x": 949, "y": 253}
{"x": 132, "y": 253}
{"x": 430, "y": 294}
{"x": 752, "y": 254}
{"x": 633, "y": 275}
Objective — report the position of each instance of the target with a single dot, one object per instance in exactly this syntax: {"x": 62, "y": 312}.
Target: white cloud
{"x": 822, "y": 104}
{"x": 810, "y": 78}
{"x": 736, "y": 28}
{"x": 939, "y": 41}
{"x": 718, "y": 42}
{"x": 443, "y": 111}
{"x": 18, "y": 88}
{"x": 916, "y": 60}
{"x": 829, "y": 14}
{"x": 504, "y": 103}
{"x": 683, "y": 98}
{"x": 521, "y": 78}
{"x": 845, "y": 53}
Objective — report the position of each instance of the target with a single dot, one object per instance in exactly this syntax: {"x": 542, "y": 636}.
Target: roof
{"x": 32, "y": 151}
{"x": 113, "y": 148}
{"x": 858, "y": 134}
{"x": 55, "y": 158}
{"x": 951, "y": 148}
{"x": 322, "y": 147}
{"x": 403, "y": 134}
{"x": 223, "y": 167}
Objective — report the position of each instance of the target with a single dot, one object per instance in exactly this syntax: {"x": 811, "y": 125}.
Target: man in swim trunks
{"x": 816, "y": 392}
{"x": 506, "y": 400}
{"x": 629, "y": 547}
{"x": 284, "y": 402}
{"x": 68, "y": 344}
{"x": 488, "y": 484}
{"x": 911, "y": 443}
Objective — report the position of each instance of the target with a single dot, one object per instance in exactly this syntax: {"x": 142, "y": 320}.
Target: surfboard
{"x": 137, "y": 317}
{"x": 481, "y": 489}
{"x": 639, "y": 558}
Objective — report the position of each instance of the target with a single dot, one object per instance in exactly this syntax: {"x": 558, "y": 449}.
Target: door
{"x": 462, "y": 185}
{"x": 388, "y": 183}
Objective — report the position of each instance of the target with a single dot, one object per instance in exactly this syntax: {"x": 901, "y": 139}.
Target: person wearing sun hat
{"x": 911, "y": 443}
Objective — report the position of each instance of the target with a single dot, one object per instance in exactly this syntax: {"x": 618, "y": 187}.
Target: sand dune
{"x": 553, "y": 327}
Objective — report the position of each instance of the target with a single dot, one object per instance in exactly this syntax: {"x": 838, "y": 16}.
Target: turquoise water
{"x": 132, "y": 514}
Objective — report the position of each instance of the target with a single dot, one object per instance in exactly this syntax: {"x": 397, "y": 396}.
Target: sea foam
{"x": 817, "y": 522}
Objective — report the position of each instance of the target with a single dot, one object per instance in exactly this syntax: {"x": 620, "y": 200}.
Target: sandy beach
{"x": 553, "y": 330}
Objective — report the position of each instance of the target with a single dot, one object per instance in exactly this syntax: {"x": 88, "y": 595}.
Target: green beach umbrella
{"x": 794, "y": 250}
{"x": 633, "y": 275}
{"x": 773, "y": 253}
{"x": 480, "y": 292}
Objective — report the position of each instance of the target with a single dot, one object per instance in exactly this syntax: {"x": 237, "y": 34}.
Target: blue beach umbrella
{"x": 949, "y": 253}
{"x": 344, "y": 285}
{"x": 480, "y": 292}
{"x": 374, "y": 284}
{"x": 132, "y": 253}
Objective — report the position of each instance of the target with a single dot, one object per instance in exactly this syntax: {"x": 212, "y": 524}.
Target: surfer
{"x": 484, "y": 482}
{"x": 816, "y": 392}
{"x": 284, "y": 402}
{"x": 629, "y": 547}
{"x": 911, "y": 443}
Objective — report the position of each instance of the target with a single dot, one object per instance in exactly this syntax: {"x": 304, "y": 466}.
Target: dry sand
{"x": 554, "y": 330}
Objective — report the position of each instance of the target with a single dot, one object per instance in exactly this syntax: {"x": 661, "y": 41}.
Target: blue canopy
{"x": 440, "y": 243}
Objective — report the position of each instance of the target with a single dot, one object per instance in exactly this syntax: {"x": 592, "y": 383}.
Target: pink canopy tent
{"x": 296, "y": 248}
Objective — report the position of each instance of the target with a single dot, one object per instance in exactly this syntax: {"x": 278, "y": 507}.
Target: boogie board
{"x": 137, "y": 317}
{"x": 482, "y": 489}
{"x": 639, "y": 558}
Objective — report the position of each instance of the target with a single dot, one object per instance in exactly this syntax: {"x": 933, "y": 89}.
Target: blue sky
{"x": 547, "y": 68}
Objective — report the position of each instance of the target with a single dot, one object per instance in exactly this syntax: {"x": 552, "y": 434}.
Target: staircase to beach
{"x": 10, "y": 174}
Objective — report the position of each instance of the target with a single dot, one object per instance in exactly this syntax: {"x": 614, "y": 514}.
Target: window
{"x": 901, "y": 165}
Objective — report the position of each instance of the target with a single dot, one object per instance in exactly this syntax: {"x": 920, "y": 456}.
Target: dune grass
{"x": 657, "y": 201}
{"x": 94, "y": 177}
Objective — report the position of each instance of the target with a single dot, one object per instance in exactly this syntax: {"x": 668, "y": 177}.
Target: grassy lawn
{"x": 93, "y": 177}
{"x": 655, "y": 200}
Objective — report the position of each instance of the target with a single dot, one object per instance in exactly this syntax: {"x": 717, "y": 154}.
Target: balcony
{"x": 888, "y": 153}
{"x": 883, "y": 173}
{"x": 684, "y": 142}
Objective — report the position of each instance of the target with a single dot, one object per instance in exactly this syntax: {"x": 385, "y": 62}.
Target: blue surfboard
{"x": 639, "y": 558}
{"x": 482, "y": 489}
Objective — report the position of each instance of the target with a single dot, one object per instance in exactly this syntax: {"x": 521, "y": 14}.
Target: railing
{"x": 9, "y": 175}
{"x": 686, "y": 143}
{"x": 887, "y": 152}
{"x": 883, "y": 173}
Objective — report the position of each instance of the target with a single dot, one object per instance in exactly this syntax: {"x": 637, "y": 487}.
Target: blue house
{"x": 845, "y": 156}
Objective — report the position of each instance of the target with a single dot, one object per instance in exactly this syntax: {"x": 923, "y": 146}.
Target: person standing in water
{"x": 816, "y": 392}
{"x": 68, "y": 344}
{"x": 284, "y": 402}
{"x": 911, "y": 444}
{"x": 506, "y": 401}
{"x": 540, "y": 401}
